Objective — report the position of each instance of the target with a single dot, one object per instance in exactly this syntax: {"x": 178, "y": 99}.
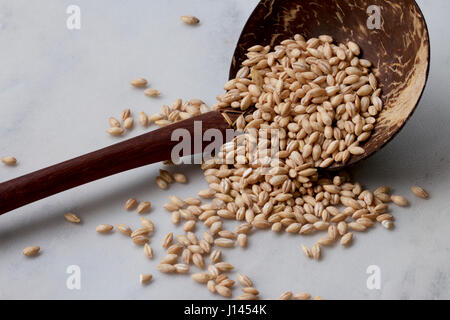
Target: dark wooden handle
{"x": 148, "y": 148}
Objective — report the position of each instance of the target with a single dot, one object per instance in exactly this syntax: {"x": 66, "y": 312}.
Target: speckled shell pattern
{"x": 399, "y": 50}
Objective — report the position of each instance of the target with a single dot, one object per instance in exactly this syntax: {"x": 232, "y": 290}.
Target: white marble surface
{"x": 57, "y": 89}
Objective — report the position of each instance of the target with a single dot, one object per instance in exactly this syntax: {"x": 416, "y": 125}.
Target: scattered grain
{"x": 31, "y": 251}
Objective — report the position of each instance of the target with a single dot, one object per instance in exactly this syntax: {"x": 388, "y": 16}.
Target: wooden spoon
{"x": 400, "y": 50}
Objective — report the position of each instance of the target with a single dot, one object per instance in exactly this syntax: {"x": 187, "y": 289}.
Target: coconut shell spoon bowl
{"x": 399, "y": 50}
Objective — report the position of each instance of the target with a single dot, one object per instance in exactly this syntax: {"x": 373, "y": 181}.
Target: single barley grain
{"x": 244, "y": 280}
{"x": 115, "y": 131}
{"x": 152, "y": 92}
{"x": 167, "y": 241}
{"x": 143, "y": 119}
{"x": 325, "y": 241}
{"x": 223, "y": 291}
{"x": 355, "y": 226}
{"x": 31, "y": 251}
{"x": 383, "y": 189}
{"x": 124, "y": 229}
{"x": 186, "y": 256}
{"x": 143, "y": 207}
{"x": 148, "y": 251}
{"x": 227, "y": 283}
{"x": 130, "y": 204}
{"x": 189, "y": 225}
{"x": 384, "y": 216}
{"x": 388, "y": 224}
{"x": 211, "y": 285}
{"x": 224, "y": 242}
{"x": 9, "y": 161}
{"x": 139, "y": 83}
{"x": 104, "y": 228}
{"x": 420, "y": 192}
{"x": 221, "y": 277}
{"x": 190, "y": 20}
{"x": 399, "y": 200}
{"x": 175, "y": 217}
{"x": 169, "y": 259}
{"x": 175, "y": 248}
{"x": 192, "y": 200}
{"x": 202, "y": 277}
{"x": 247, "y": 296}
{"x": 302, "y": 296}
{"x": 316, "y": 251}
{"x": 72, "y": 217}
{"x": 177, "y": 202}
{"x": 128, "y": 123}
{"x": 285, "y": 296}
{"x": 140, "y": 232}
{"x": 307, "y": 251}
{"x": 182, "y": 268}
{"x": 250, "y": 290}
{"x": 141, "y": 240}
{"x": 145, "y": 278}
{"x": 346, "y": 239}
{"x": 227, "y": 234}
{"x": 113, "y": 122}
{"x": 161, "y": 183}
{"x": 192, "y": 238}
{"x": 206, "y": 193}
{"x": 216, "y": 256}
{"x": 170, "y": 207}
{"x": 224, "y": 266}
{"x": 166, "y": 268}
{"x": 126, "y": 113}
{"x": 242, "y": 240}
{"x": 147, "y": 223}
{"x": 166, "y": 176}
{"x": 198, "y": 260}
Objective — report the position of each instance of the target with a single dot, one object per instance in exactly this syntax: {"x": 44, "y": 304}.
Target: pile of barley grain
{"x": 323, "y": 101}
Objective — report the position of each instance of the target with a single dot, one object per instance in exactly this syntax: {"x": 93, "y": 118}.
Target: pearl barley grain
{"x": 145, "y": 278}
{"x": 143, "y": 207}
{"x": 130, "y": 204}
{"x": 71, "y": 217}
{"x": 128, "y": 123}
{"x": 124, "y": 229}
{"x": 143, "y": 119}
{"x": 115, "y": 131}
{"x": 104, "y": 228}
{"x": 126, "y": 113}
{"x": 152, "y": 92}
{"x": 9, "y": 161}
{"x": 325, "y": 100}
{"x": 399, "y": 200}
{"x": 179, "y": 177}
